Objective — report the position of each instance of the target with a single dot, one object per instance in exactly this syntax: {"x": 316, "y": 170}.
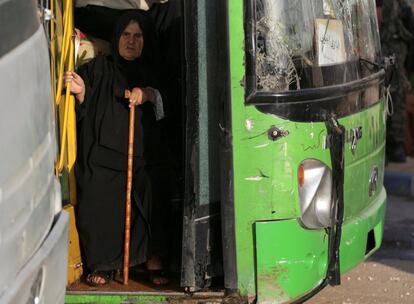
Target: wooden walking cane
{"x": 129, "y": 189}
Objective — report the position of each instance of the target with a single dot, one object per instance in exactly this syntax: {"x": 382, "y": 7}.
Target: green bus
{"x": 284, "y": 137}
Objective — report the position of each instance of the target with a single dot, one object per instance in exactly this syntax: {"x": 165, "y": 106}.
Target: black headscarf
{"x": 138, "y": 72}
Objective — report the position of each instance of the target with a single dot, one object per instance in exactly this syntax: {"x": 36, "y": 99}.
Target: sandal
{"x": 158, "y": 277}
{"x": 99, "y": 278}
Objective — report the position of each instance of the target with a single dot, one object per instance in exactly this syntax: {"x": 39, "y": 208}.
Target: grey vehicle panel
{"x": 30, "y": 200}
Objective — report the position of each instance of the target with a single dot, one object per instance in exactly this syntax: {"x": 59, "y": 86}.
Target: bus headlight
{"x": 315, "y": 189}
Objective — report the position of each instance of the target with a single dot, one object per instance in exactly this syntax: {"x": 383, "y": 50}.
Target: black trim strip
{"x": 309, "y": 295}
{"x": 190, "y": 15}
{"x": 18, "y": 21}
{"x": 249, "y": 45}
{"x": 228, "y": 214}
{"x": 336, "y": 133}
{"x": 322, "y": 109}
{"x": 316, "y": 94}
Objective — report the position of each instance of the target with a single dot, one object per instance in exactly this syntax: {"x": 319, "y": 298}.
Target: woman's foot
{"x": 158, "y": 277}
{"x": 156, "y": 273}
{"x": 99, "y": 278}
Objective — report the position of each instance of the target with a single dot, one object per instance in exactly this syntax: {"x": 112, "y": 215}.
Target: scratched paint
{"x": 262, "y": 146}
{"x": 270, "y": 290}
{"x": 249, "y": 124}
{"x": 254, "y": 178}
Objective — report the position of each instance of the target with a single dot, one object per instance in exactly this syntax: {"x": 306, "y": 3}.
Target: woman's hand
{"x": 138, "y": 96}
{"x": 77, "y": 85}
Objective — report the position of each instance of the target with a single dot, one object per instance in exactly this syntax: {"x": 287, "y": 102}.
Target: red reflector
{"x": 301, "y": 175}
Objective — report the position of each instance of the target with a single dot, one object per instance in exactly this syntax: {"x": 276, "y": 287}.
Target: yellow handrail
{"x": 67, "y": 103}
{"x": 67, "y": 39}
{"x": 67, "y": 152}
{"x": 65, "y": 115}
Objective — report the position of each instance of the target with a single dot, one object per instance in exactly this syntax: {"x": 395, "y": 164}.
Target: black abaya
{"x": 101, "y": 172}
{"x": 101, "y": 167}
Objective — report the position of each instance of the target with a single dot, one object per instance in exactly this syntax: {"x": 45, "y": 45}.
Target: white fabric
{"x": 158, "y": 103}
{"x": 120, "y": 4}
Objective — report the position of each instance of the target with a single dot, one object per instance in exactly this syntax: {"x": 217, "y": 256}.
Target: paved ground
{"x": 376, "y": 281}
{"x": 399, "y": 178}
{"x": 408, "y": 166}
{"x": 387, "y": 277}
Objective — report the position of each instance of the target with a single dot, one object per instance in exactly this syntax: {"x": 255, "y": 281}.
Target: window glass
{"x": 303, "y": 44}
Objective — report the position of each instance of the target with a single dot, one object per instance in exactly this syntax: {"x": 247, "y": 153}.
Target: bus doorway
{"x": 194, "y": 80}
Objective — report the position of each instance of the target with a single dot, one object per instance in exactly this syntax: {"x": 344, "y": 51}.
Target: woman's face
{"x": 131, "y": 42}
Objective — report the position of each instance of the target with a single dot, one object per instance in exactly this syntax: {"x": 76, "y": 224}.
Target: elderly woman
{"x": 103, "y": 112}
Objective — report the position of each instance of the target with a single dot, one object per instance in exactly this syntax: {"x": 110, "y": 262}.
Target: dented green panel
{"x": 287, "y": 269}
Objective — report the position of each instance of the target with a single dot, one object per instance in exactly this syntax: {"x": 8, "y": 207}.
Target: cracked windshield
{"x": 299, "y": 43}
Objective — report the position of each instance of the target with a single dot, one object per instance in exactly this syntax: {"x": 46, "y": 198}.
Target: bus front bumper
{"x": 292, "y": 261}
{"x": 362, "y": 235}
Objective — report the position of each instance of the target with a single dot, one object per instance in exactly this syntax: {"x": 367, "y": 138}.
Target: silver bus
{"x": 33, "y": 227}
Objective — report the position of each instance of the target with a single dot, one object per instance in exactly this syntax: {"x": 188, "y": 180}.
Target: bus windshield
{"x": 300, "y": 44}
